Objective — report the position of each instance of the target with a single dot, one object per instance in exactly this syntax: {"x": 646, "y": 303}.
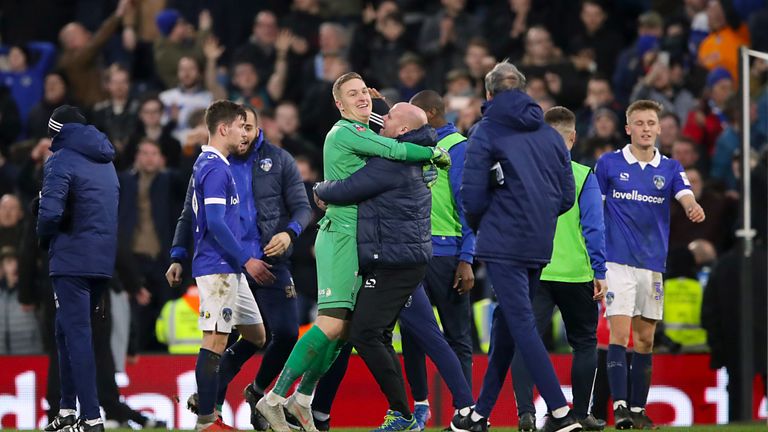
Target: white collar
{"x": 630, "y": 158}
{"x": 212, "y": 149}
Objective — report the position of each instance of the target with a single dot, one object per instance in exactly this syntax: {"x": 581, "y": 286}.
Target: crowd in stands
{"x": 144, "y": 71}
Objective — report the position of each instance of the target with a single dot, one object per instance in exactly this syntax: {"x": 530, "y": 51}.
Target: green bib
{"x": 570, "y": 259}
{"x": 445, "y": 217}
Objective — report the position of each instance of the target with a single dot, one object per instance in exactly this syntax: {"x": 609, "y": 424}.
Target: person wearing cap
{"x": 705, "y": 123}
{"x": 77, "y": 221}
{"x": 178, "y": 39}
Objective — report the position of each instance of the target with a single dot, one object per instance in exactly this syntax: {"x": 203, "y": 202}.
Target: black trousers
{"x": 384, "y": 293}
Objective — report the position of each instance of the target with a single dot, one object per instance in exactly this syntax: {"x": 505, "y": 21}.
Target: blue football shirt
{"x": 213, "y": 184}
{"x": 637, "y": 199}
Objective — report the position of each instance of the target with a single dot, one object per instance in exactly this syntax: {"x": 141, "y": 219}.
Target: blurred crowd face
{"x": 697, "y": 185}
{"x": 715, "y": 15}
{"x": 10, "y": 270}
{"x": 55, "y": 89}
{"x": 151, "y": 113}
{"x": 599, "y": 93}
{"x": 592, "y": 16}
{"x": 354, "y": 101}
{"x": 334, "y": 67}
{"x": 330, "y": 39}
{"x": 188, "y": 72}
{"x": 721, "y": 91}
{"x": 287, "y": 118}
{"x": 265, "y": 28}
{"x": 605, "y": 126}
{"x": 459, "y": 87}
{"x": 685, "y": 153}
{"x": 74, "y": 36}
{"x": 17, "y": 60}
{"x": 391, "y": 28}
{"x": 473, "y": 58}
{"x": 10, "y": 211}
{"x": 411, "y": 74}
{"x": 643, "y": 128}
{"x": 245, "y": 77}
{"x": 537, "y": 88}
{"x": 669, "y": 133}
{"x": 149, "y": 158}
{"x": 538, "y": 44}
{"x": 453, "y": 7}
{"x": 308, "y": 175}
{"x": 118, "y": 84}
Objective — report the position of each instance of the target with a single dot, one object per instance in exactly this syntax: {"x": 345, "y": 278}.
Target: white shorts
{"x": 634, "y": 291}
{"x": 226, "y": 301}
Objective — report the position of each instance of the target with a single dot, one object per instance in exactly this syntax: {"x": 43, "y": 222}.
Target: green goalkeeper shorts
{"x": 338, "y": 281}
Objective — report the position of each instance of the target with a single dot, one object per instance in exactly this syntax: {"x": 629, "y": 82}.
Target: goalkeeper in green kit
{"x": 347, "y": 146}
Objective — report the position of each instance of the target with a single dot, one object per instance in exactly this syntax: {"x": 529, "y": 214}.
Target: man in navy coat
{"x": 77, "y": 220}
{"x": 515, "y": 219}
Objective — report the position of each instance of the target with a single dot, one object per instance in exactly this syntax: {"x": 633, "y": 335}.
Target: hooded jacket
{"x": 394, "y": 206}
{"x": 515, "y": 221}
{"x": 78, "y": 204}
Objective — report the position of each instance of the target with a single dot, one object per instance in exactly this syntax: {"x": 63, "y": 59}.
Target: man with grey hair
{"x": 515, "y": 223}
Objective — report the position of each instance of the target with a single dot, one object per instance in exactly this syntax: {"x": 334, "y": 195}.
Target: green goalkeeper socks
{"x": 319, "y": 368}
{"x": 310, "y": 349}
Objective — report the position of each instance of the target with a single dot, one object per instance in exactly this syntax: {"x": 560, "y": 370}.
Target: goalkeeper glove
{"x": 430, "y": 175}
{"x": 441, "y": 158}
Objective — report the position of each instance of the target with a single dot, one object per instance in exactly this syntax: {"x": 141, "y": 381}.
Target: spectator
{"x": 670, "y": 131}
{"x": 260, "y": 48}
{"x": 304, "y": 21}
{"x": 720, "y": 49}
{"x": 117, "y": 116}
{"x": 705, "y": 123}
{"x": 332, "y": 40}
{"x": 11, "y": 218}
{"x": 10, "y": 123}
{"x": 685, "y": 151}
{"x": 247, "y": 86}
{"x": 444, "y": 37}
{"x": 478, "y": 61}
{"x": 189, "y": 96}
{"x": 387, "y": 46}
{"x": 543, "y": 58}
{"x": 511, "y": 17}
{"x": 410, "y": 75}
{"x": 8, "y": 175}
{"x": 595, "y": 147}
{"x": 19, "y": 330}
{"x": 55, "y": 94}
{"x": 178, "y": 41}
{"x": 288, "y": 124}
{"x": 596, "y": 36}
{"x": 316, "y": 108}
{"x": 25, "y": 79}
{"x": 728, "y": 144}
{"x": 633, "y": 61}
{"x": 720, "y": 211}
{"x": 149, "y": 206}
{"x": 605, "y": 125}
{"x": 303, "y": 265}
{"x": 657, "y": 85}
{"x": 459, "y": 92}
{"x": 79, "y": 58}
{"x": 30, "y": 178}
{"x": 150, "y": 126}
{"x": 359, "y": 53}
{"x": 599, "y": 95}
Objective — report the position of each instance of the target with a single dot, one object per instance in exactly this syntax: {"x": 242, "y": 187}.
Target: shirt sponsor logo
{"x": 636, "y": 196}
{"x": 659, "y": 181}
{"x": 624, "y": 176}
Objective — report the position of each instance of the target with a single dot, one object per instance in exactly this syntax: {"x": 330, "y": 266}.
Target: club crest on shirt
{"x": 226, "y": 313}
{"x": 265, "y": 164}
{"x": 359, "y": 128}
{"x": 659, "y": 181}
{"x": 609, "y": 298}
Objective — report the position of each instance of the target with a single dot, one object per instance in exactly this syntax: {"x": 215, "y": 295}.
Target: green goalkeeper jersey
{"x": 347, "y": 147}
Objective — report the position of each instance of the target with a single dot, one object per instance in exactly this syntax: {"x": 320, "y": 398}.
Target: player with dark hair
{"x": 637, "y": 184}
{"x": 225, "y": 298}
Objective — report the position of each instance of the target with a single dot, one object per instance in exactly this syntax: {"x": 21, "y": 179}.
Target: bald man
{"x": 394, "y": 247}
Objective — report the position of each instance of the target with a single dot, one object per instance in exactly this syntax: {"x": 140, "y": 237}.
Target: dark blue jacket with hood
{"x": 516, "y": 221}
{"x": 78, "y": 204}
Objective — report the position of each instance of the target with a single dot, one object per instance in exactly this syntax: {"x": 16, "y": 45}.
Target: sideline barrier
{"x": 684, "y": 392}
